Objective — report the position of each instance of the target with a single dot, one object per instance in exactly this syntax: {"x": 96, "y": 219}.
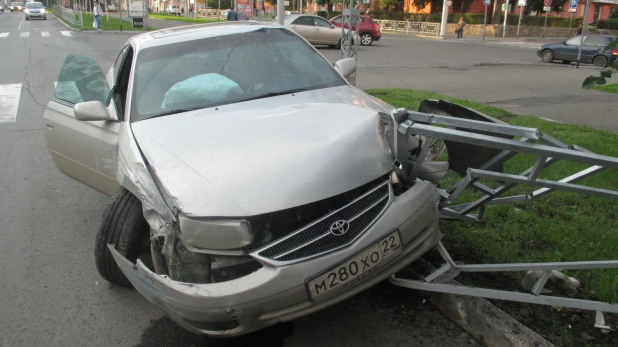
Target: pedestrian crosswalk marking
{"x": 9, "y": 100}
{"x": 26, "y": 34}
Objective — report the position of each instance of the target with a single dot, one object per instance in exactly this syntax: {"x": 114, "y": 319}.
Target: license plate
{"x": 355, "y": 269}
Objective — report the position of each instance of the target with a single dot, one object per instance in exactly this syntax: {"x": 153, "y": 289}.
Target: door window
{"x": 338, "y": 20}
{"x": 303, "y": 21}
{"x": 574, "y": 41}
{"x": 592, "y": 41}
{"x": 81, "y": 79}
{"x": 319, "y": 22}
{"x": 121, "y": 86}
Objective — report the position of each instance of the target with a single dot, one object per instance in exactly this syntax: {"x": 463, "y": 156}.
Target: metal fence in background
{"x": 73, "y": 17}
{"x": 396, "y": 26}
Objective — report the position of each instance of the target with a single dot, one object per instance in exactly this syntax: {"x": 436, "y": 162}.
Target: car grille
{"x": 316, "y": 238}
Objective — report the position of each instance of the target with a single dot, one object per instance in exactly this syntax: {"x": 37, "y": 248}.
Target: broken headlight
{"x": 215, "y": 234}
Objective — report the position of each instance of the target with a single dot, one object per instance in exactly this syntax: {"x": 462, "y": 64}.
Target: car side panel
{"x": 305, "y": 31}
{"x": 84, "y": 151}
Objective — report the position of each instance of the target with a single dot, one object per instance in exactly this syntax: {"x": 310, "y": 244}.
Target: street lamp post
{"x": 445, "y": 5}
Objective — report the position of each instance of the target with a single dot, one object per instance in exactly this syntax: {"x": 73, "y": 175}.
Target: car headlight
{"x": 27, "y": 11}
{"x": 43, "y": 10}
{"x": 216, "y": 234}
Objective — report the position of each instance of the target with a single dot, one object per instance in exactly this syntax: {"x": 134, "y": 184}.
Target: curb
{"x": 63, "y": 23}
{"x": 485, "y": 322}
{"x": 482, "y": 320}
{"x": 431, "y": 37}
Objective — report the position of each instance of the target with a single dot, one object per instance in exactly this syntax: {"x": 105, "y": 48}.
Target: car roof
{"x": 197, "y": 31}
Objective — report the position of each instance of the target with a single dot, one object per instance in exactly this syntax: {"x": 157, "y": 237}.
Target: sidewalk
{"x": 477, "y": 38}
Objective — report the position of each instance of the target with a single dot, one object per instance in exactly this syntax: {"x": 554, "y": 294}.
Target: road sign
{"x": 521, "y": 3}
{"x": 449, "y": 3}
{"x": 547, "y": 2}
{"x": 572, "y": 5}
{"x": 486, "y": 2}
{"x": 546, "y": 8}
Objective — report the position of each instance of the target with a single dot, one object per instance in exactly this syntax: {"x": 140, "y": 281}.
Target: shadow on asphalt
{"x": 164, "y": 332}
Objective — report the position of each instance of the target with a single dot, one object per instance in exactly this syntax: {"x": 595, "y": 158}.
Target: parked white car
{"x": 173, "y": 9}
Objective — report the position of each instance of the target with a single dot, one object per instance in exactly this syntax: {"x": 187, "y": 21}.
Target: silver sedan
{"x": 250, "y": 183}
{"x": 316, "y": 30}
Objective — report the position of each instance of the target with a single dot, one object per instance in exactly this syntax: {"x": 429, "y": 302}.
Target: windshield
{"x": 226, "y": 69}
{"x": 34, "y": 5}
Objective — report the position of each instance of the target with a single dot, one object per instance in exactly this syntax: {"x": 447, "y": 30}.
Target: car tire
{"x": 366, "y": 39}
{"x": 599, "y": 61}
{"x": 125, "y": 227}
{"x": 547, "y": 56}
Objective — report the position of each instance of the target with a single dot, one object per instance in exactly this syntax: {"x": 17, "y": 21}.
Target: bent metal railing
{"x": 471, "y": 136}
{"x": 73, "y": 17}
{"x": 422, "y": 28}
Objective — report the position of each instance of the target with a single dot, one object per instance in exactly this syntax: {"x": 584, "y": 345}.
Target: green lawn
{"x": 559, "y": 227}
{"x": 107, "y": 23}
{"x": 610, "y": 88}
{"x": 186, "y": 20}
{"x": 110, "y": 23}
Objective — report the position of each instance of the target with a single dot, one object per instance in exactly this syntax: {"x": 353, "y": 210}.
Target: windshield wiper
{"x": 271, "y": 94}
{"x": 177, "y": 110}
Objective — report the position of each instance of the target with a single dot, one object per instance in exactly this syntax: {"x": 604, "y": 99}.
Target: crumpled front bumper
{"x": 277, "y": 294}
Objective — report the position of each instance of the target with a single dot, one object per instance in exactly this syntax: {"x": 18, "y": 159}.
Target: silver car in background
{"x": 315, "y": 29}
{"x": 35, "y": 10}
{"x": 251, "y": 184}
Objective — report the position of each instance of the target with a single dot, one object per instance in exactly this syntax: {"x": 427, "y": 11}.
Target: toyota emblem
{"x": 340, "y": 227}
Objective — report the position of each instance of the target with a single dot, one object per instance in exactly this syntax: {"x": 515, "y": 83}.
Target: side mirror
{"x": 92, "y": 111}
{"x": 346, "y": 67}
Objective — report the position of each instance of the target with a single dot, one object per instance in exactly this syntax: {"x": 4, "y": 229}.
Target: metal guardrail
{"x": 423, "y": 28}
{"x": 73, "y": 17}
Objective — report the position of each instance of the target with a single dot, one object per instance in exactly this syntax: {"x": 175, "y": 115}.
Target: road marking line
{"x": 25, "y": 34}
{"x": 66, "y": 33}
{"x": 9, "y": 100}
{"x": 44, "y": 33}
{"x": 3, "y": 35}
{"x": 20, "y": 23}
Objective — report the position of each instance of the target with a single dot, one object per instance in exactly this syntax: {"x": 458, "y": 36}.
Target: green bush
{"x": 608, "y": 24}
{"x": 326, "y": 15}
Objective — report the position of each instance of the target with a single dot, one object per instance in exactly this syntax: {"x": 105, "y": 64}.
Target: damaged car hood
{"x": 266, "y": 155}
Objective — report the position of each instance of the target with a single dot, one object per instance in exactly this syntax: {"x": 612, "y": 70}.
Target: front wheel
{"x": 125, "y": 227}
{"x": 600, "y": 61}
{"x": 547, "y": 56}
{"x": 366, "y": 39}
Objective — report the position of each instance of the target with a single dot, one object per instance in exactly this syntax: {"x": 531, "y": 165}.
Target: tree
{"x": 386, "y": 5}
{"x": 600, "y": 80}
{"x": 436, "y": 5}
{"x": 462, "y": 5}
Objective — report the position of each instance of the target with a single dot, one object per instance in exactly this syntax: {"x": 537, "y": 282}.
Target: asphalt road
{"x": 50, "y": 292}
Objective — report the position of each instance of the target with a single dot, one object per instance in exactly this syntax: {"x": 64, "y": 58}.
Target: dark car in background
{"x": 592, "y": 50}
{"x": 369, "y": 30}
